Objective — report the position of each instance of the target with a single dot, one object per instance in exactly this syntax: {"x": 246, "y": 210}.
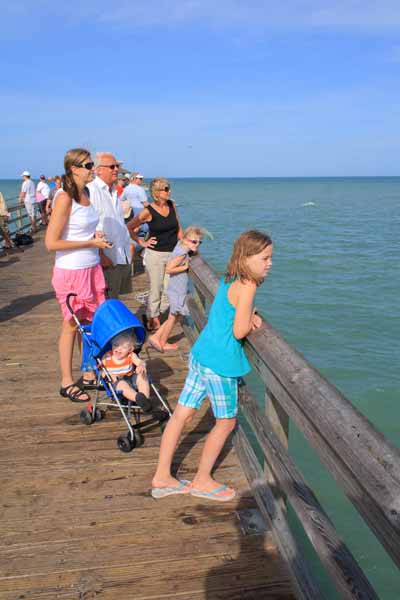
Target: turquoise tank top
{"x": 216, "y": 347}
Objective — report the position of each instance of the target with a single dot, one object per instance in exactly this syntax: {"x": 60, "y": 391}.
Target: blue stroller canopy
{"x": 110, "y": 319}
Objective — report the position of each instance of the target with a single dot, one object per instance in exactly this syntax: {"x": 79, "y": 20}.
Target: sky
{"x": 190, "y": 88}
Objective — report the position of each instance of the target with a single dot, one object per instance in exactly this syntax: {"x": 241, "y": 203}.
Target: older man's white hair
{"x": 100, "y": 156}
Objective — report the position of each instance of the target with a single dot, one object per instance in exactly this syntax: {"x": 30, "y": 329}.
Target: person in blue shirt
{"x": 217, "y": 361}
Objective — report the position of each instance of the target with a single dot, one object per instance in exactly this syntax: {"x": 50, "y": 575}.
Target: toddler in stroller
{"x": 128, "y": 371}
{"x": 110, "y": 348}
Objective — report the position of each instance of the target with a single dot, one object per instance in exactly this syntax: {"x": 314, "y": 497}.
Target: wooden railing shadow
{"x": 362, "y": 461}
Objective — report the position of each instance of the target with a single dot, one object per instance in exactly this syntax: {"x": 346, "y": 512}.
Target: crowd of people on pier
{"x": 97, "y": 217}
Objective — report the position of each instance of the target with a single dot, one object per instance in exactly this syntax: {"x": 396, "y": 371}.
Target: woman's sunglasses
{"x": 89, "y": 165}
{"x": 165, "y": 189}
{"x": 196, "y": 241}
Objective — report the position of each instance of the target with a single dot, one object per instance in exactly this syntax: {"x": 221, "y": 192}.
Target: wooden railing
{"x": 18, "y": 215}
{"x": 360, "y": 458}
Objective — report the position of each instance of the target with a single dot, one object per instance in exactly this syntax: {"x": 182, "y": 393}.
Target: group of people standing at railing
{"x": 93, "y": 246}
{"x": 38, "y": 199}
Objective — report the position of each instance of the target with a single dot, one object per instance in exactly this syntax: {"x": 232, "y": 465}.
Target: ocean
{"x": 333, "y": 294}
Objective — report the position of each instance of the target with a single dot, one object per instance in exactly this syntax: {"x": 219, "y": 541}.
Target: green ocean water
{"x": 332, "y": 292}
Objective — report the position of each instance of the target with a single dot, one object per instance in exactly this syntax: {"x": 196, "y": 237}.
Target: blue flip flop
{"x": 214, "y": 494}
{"x": 169, "y": 491}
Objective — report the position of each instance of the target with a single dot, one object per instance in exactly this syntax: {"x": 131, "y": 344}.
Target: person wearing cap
{"x": 116, "y": 261}
{"x": 135, "y": 193}
{"x": 28, "y": 197}
{"x": 42, "y": 196}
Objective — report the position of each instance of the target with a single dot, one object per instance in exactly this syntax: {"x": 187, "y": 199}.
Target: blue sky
{"x": 201, "y": 88}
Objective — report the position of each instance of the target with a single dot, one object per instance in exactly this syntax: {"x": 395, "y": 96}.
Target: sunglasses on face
{"x": 89, "y": 165}
{"x": 165, "y": 189}
{"x": 112, "y": 167}
{"x": 197, "y": 242}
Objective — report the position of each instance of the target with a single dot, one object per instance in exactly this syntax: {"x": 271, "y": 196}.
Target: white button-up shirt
{"x": 110, "y": 211}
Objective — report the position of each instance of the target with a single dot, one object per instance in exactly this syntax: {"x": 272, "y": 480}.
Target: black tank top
{"x": 165, "y": 229}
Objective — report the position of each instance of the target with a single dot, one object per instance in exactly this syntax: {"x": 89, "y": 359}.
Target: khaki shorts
{"x": 30, "y": 208}
{"x": 118, "y": 279}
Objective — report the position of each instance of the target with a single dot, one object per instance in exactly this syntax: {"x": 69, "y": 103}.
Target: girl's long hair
{"x": 74, "y": 157}
{"x": 247, "y": 244}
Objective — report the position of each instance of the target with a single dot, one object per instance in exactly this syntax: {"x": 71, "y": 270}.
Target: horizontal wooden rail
{"x": 360, "y": 458}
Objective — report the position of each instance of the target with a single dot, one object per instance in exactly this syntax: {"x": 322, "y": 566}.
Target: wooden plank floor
{"x": 77, "y": 520}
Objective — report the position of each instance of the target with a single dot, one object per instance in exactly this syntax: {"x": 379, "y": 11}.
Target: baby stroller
{"x": 111, "y": 319}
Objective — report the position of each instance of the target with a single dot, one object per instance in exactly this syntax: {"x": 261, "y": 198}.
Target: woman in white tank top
{"x": 72, "y": 234}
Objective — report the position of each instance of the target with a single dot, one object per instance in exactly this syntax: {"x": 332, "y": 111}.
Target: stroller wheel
{"x": 86, "y": 416}
{"x": 139, "y": 438}
{"x": 125, "y": 443}
{"x": 98, "y": 414}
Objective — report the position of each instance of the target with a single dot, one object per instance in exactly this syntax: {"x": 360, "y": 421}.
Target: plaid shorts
{"x": 221, "y": 391}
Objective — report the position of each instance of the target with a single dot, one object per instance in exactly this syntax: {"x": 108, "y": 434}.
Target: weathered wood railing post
{"x": 279, "y": 420}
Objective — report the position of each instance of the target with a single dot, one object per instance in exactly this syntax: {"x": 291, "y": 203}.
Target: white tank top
{"x": 81, "y": 226}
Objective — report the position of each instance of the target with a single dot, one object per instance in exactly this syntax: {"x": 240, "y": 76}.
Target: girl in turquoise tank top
{"x": 217, "y": 361}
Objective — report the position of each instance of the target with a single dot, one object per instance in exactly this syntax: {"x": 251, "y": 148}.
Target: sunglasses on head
{"x": 112, "y": 167}
{"x": 196, "y": 241}
{"x": 89, "y": 165}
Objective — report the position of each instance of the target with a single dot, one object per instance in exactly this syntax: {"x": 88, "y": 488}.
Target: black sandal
{"x": 87, "y": 384}
{"x": 74, "y": 395}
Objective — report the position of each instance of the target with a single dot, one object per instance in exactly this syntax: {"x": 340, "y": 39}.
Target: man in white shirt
{"x": 28, "y": 197}
{"x": 116, "y": 260}
{"x": 42, "y": 196}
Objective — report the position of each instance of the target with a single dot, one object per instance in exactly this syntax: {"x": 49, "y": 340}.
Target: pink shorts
{"x": 88, "y": 284}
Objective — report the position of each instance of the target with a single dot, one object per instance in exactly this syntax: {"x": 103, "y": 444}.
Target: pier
{"x": 77, "y": 519}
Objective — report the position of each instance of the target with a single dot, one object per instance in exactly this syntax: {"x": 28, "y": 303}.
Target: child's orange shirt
{"x": 125, "y": 368}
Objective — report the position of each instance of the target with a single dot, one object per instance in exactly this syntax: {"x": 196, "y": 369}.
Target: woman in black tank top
{"x": 164, "y": 232}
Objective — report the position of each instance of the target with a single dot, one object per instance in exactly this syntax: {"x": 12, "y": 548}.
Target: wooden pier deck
{"x": 77, "y": 520}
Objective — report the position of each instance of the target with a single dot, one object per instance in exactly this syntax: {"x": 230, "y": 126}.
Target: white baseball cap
{"x": 25, "y": 174}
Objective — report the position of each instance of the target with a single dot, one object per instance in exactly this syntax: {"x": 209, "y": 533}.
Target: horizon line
{"x": 246, "y": 177}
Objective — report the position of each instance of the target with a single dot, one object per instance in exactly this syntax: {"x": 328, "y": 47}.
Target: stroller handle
{"x": 67, "y": 302}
